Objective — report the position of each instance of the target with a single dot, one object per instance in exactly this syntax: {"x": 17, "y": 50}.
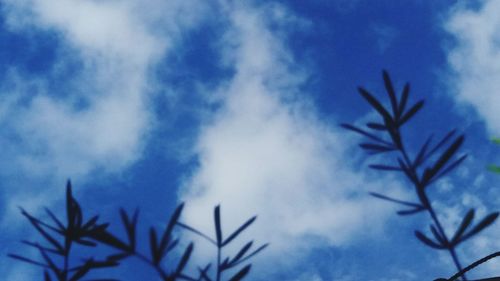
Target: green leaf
{"x": 494, "y": 169}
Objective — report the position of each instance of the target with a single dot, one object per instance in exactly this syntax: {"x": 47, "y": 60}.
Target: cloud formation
{"x": 474, "y": 59}
{"x": 266, "y": 152}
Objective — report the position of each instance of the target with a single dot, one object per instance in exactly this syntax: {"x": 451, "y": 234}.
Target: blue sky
{"x": 150, "y": 103}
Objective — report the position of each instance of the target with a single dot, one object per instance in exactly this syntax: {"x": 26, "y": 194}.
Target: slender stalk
{"x": 66, "y": 257}
{"x": 219, "y": 272}
{"x": 428, "y": 205}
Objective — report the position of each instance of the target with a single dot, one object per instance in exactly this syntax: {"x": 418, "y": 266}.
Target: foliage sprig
{"x": 431, "y": 162}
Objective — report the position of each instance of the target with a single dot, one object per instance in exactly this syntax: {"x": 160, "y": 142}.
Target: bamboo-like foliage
{"x": 431, "y": 162}
{"x": 227, "y": 263}
{"x": 59, "y": 239}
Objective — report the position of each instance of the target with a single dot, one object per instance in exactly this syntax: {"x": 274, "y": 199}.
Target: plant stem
{"x": 427, "y": 204}
{"x": 218, "y": 262}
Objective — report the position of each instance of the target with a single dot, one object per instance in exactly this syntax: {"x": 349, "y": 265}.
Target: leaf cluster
{"x": 60, "y": 238}
{"x": 432, "y": 161}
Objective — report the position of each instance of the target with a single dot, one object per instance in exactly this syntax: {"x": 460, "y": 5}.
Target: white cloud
{"x": 99, "y": 119}
{"x": 265, "y": 152}
{"x": 474, "y": 59}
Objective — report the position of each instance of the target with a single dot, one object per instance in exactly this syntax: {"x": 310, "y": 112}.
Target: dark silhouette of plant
{"x": 220, "y": 242}
{"x": 91, "y": 234}
{"x": 430, "y": 163}
{"x": 61, "y": 238}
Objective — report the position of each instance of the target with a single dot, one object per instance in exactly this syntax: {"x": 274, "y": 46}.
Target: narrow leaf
{"x": 384, "y": 167}
{"x": 241, "y": 274}
{"x": 423, "y": 150}
{"x": 404, "y": 100}
{"x": 381, "y": 196}
{"x": 153, "y": 245}
{"x": 376, "y": 126}
{"x": 411, "y": 211}
{"x": 444, "y": 158}
{"x": 21, "y": 258}
{"x": 218, "y": 227}
{"x": 466, "y": 221}
{"x": 390, "y": 91}
{"x": 375, "y": 104}
{"x": 362, "y": 132}
{"x": 484, "y": 223}
{"x": 427, "y": 241}
{"x": 238, "y": 231}
{"x": 184, "y": 260}
{"x": 376, "y": 148}
{"x": 411, "y": 112}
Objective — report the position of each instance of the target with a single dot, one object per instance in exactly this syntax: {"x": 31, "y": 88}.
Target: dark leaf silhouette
{"x": 411, "y": 112}
{"x": 466, "y": 221}
{"x": 427, "y": 241}
{"x": 375, "y": 103}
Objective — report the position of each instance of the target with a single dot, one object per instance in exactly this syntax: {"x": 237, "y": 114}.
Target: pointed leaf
{"x": 381, "y": 196}
{"x": 443, "y": 141}
{"x": 239, "y": 230}
{"x": 241, "y": 253}
{"x": 404, "y": 100}
{"x": 484, "y": 223}
{"x": 249, "y": 256}
{"x": 423, "y": 150}
{"x": 241, "y": 274}
{"x": 24, "y": 259}
{"x": 451, "y": 167}
{"x": 184, "y": 260}
{"x": 385, "y": 167}
{"x": 376, "y": 126}
{"x": 466, "y": 221}
{"x": 375, "y": 104}
{"x": 167, "y": 234}
{"x": 411, "y": 112}
{"x": 444, "y": 158}
{"x": 427, "y": 241}
{"x": 375, "y": 148}
{"x": 411, "y": 211}
{"x": 153, "y": 245}
{"x": 362, "y": 132}
{"x": 218, "y": 227}
{"x": 390, "y": 91}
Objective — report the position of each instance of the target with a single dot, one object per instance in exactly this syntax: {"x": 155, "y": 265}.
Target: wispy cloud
{"x": 266, "y": 152}
{"x": 474, "y": 61}
{"x": 98, "y": 119}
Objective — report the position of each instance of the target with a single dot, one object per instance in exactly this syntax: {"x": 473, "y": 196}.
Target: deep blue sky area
{"x": 147, "y": 105}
